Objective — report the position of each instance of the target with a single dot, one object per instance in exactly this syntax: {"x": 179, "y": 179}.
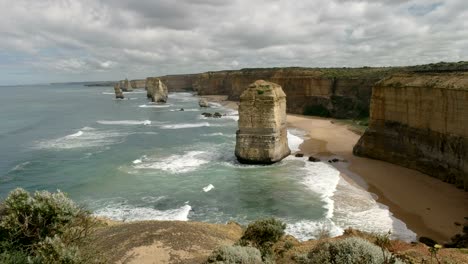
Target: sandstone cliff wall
{"x": 420, "y": 120}
{"x": 179, "y": 83}
{"x": 137, "y": 84}
{"x": 309, "y": 91}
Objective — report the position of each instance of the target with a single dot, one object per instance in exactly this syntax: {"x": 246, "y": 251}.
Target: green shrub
{"x": 235, "y": 255}
{"x": 45, "y": 227}
{"x": 352, "y": 250}
{"x": 262, "y": 234}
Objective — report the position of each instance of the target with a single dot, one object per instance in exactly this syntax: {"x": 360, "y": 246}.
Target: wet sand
{"x": 427, "y": 205}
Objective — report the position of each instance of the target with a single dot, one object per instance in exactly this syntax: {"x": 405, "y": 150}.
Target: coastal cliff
{"x": 262, "y": 135}
{"x": 419, "y": 120}
{"x": 178, "y": 82}
{"x": 137, "y": 84}
{"x": 339, "y": 93}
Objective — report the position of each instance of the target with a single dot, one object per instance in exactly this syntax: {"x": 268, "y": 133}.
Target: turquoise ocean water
{"x": 132, "y": 160}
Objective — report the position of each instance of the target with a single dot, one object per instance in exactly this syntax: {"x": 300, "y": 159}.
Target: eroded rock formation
{"x": 262, "y": 135}
{"x": 125, "y": 86}
{"x": 156, "y": 90}
{"x": 118, "y": 91}
{"x": 339, "y": 93}
{"x": 203, "y": 103}
{"x": 136, "y": 84}
{"x": 420, "y": 121}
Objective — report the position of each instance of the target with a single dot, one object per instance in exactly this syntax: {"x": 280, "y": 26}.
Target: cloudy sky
{"x": 76, "y": 40}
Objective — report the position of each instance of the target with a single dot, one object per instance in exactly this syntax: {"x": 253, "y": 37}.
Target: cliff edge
{"x": 420, "y": 120}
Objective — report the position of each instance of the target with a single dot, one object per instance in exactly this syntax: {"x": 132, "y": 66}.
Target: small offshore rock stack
{"x": 156, "y": 90}
{"x": 118, "y": 91}
{"x": 126, "y": 86}
{"x": 262, "y": 135}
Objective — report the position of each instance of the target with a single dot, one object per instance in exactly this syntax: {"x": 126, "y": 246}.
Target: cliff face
{"x": 309, "y": 91}
{"x": 179, "y": 83}
{"x": 262, "y": 135}
{"x": 137, "y": 84}
{"x": 420, "y": 121}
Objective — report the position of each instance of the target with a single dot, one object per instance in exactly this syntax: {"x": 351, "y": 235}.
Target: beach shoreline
{"x": 428, "y": 206}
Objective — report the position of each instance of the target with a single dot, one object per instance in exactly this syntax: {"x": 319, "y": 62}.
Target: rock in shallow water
{"x": 262, "y": 135}
{"x": 156, "y": 90}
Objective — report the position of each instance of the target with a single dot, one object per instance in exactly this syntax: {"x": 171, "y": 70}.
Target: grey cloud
{"x": 101, "y": 39}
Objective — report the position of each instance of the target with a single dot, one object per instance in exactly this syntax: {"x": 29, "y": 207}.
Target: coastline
{"x": 428, "y": 206}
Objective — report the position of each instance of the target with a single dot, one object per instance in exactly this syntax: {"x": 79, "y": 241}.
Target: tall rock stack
{"x": 262, "y": 135}
{"x": 156, "y": 90}
{"x": 118, "y": 91}
{"x": 420, "y": 121}
{"x": 126, "y": 86}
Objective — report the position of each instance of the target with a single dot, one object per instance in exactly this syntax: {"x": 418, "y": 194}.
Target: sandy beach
{"x": 427, "y": 205}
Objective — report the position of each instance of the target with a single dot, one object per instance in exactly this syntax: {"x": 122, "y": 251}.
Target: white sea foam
{"x": 305, "y": 229}
{"x": 77, "y": 134}
{"x": 154, "y": 105}
{"x": 152, "y": 199}
{"x": 140, "y": 160}
{"x": 125, "y": 122}
{"x": 108, "y": 93}
{"x": 85, "y": 138}
{"x": 182, "y": 97}
{"x": 213, "y": 134}
{"x": 208, "y": 188}
{"x": 322, "y": 179}
{"x": 186, "y": 125}
{"x": 128, "y": 213}
{"x": 294, "y": 142}
{"x": 187, "y": 162}
{"x": 355, "y": 207}
{"x": 138, "y": 92}
{"x": 20, "y": 166}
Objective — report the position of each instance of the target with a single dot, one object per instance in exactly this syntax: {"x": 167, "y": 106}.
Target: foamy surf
{"x": 77, "y": 134}
{"x": 154, "y": 105}
{"x": 186, "y": 125}
{"x": 187, "y": 162}
{"x": 124, "y": 122}
{"x": 89, "y": 138}
{"x": 208, "y": 188}
{"x": 294, "y": 142}
{"x": 128, "y": 213}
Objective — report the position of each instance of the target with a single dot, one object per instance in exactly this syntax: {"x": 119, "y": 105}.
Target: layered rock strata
{"x": 156, "y": 90}
{"x": 420, "y": 121}
{"x": 339, "y": 93}
{"x": 118, "y": 91}
{"x": 262, "y": 135}
{"x": 138, "y": 84}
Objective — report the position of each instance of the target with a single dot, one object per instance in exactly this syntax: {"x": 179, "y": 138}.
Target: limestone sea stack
{"x": 420, "y": 121}
{"x": 156, "y": 90}
{"x": 118, "y": 91}
{"x": 262, "y": 135}
{"x": 127, "y": 86}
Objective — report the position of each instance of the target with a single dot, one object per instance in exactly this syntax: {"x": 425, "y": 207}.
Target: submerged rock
{"x": 118, "y": 91}
{"x": 313, "y": 159}
{"x": 217, "y": 115}
{"x": 262, "y": 135}
{"x": 156, "y": 90}
{"x": 203, "y": 103}
{"x": 205, "y": 114}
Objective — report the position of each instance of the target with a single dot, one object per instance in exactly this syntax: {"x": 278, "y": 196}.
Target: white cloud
{"x": 107, "y": 39}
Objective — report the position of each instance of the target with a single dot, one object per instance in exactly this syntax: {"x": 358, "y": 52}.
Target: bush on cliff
{"x": 351, "y": 250}
{"x": 235, "y": 255}
{"x": 43, "y": 228}
{"x": 262, "y": 234}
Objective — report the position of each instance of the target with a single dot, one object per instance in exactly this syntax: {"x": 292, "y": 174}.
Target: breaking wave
{"x": 189, "y": 161}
